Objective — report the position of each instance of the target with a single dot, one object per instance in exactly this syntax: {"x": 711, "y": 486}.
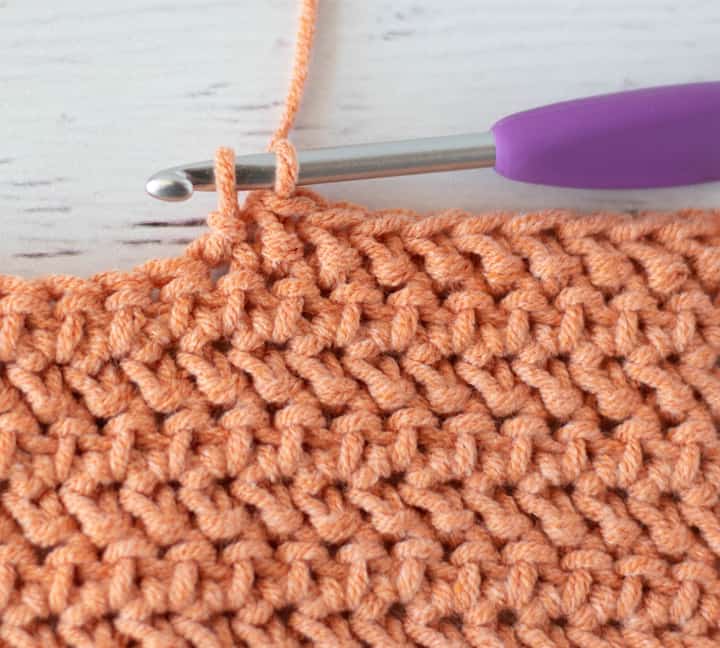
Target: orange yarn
{"x": 287, "y": 170}
{"x": 373, "y": 429}
{"x": 326, "y": 426}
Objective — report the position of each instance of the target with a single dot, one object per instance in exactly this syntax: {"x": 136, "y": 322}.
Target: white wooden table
{"x": 97, "y": 95}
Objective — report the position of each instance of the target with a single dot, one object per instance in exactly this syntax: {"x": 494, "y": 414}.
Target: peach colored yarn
{"x": 287, "y": 170}
{"x": 372, "y": 429}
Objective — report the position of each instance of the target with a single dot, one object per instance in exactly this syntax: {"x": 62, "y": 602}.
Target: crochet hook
{"x": 654, "y": 137}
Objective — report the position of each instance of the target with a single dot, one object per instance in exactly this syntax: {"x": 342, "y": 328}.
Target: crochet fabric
{"x": 324, "y": 426}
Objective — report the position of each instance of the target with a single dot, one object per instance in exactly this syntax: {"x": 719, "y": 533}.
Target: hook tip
{"x": 171, "y": 186}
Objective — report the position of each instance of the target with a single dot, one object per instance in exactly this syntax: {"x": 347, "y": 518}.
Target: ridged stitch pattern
{"x": 372, "y": 429}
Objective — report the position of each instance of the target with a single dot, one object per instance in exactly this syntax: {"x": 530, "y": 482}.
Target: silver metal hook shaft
{"x": 336, "y": 164}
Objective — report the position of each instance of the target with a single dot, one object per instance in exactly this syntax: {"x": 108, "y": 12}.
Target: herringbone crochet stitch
{"x": 325, "y": 426}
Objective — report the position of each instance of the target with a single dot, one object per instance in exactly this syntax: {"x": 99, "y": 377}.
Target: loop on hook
{"x": 225, "y": 182}
{"x": 286, "y": 167}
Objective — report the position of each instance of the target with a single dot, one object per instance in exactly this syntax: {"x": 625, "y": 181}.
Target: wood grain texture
{"x": 95, "y": 97}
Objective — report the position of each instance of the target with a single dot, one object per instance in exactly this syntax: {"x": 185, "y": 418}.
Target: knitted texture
{"x": 326, "y": 426}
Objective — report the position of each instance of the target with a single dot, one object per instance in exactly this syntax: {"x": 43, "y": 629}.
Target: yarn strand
{"x": 301, "y": 62}
{"x": 286, "y": 170}
{"x": 286, "y": 173}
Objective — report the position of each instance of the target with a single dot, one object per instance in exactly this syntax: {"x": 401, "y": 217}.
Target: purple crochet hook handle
{"x": 655, "y": 137}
